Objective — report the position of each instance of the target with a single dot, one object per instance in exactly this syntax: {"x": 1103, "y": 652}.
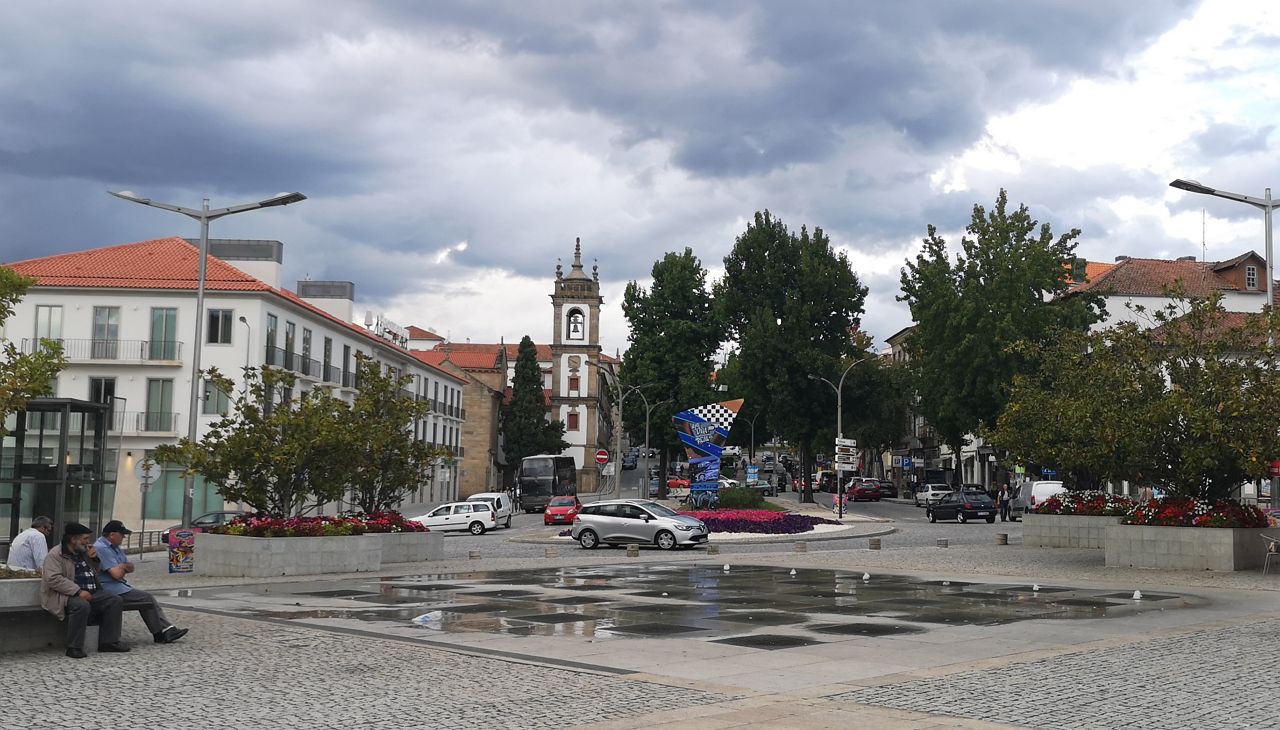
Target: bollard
{"x": 873, "y": 543}
{"x": 802, "y": 547}
{"x": 633, "y": 550}
{"x": 1002, "y": 538}
{"x": 473, "y": 555}
{"x": 942, "y": 542}
{"x": 713, "y": 550}
{"x": 550, "y": 553}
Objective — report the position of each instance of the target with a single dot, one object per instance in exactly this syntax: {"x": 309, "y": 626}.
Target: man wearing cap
{"x": 70, "y": 590}
{"x": 115, "y": 566}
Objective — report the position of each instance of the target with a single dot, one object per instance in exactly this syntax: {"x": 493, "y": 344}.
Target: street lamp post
{"x": 1266, "y": 205}
{"x": 617, "y": 433}
{"x": 751, "y": 450}
{"x": 203, "y": 215}
{"x": 248, "y": 344}
{"x": 839, "y": 389}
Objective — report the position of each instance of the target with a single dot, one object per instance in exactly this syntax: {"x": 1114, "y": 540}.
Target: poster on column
{"x": 703, "y": 432}
{"x": 182, "y": 549}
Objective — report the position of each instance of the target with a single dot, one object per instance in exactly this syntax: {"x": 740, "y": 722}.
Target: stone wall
{"x": 1184, "y": 548}
{"x": 260, "y": 557}
{"x": 1065, "y": 531}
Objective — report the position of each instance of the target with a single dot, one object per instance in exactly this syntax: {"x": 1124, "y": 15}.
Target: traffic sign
{"x": 846, "y": 450}
{"x": 846, "y": 458}
{"x": 602, "y": 456}
{"x": 906, "y": 462}
{"x": 846, "y": 442}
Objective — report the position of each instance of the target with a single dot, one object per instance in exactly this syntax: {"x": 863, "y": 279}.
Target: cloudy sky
{"x": 453, "y": 151}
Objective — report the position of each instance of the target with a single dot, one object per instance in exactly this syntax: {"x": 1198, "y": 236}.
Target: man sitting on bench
{"x": 115, "y": 566}
{"x": 70, "y": 589}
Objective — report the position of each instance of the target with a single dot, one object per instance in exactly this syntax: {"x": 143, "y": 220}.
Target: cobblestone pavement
{"x": 1220, "y": 678}
{"x": 235, "y": 673}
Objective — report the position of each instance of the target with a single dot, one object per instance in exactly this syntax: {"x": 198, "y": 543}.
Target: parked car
{"x": 625, "y": 521}
{"x": 863, "y": 488}
{"x": 561, "y": 510}
{"x": 824, "y": 481}
{"x": 205, "y": 521}
{"x": 654, "y": 485}
{"x": 962, "y": 506}
{"x": 629, "y": 462}
{"x": 1038, "y": 492}
{"x": 927, "y": 494}
{"x": 474, "y": 517}
{"x": 502, "y": 505}
{"x": 887, "y": 489}
{"x": 728, "y": 483}
{"x": 764, "y": 486}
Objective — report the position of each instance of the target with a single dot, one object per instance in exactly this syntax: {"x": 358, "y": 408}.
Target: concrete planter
{"x": 1184, "y": 548}
{"x": 1066, "y": 531}
{"x": 410, "y": 547}
{"x": 20, "y": 593}
{"x": 261, "y": 557}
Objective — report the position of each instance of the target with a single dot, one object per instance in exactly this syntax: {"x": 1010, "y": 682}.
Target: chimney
{"x": 1121, "y": 258}
{"x": 263, "y": 260}
{"x": 1187, "y": 258}
{"x": 338, "y": 298}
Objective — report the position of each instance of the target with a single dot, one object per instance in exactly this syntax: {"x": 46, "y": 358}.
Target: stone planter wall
{"x": 410, "y": 547}
{"x": 261, "y": 557}
{"x": 20, "y": 593}
{"x": 1185, "y": 548}
{"x": 24, "y": 625}
{"x": 1065, "y": 531}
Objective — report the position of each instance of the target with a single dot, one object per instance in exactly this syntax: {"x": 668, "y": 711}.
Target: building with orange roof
{"x": 124, "y": 315}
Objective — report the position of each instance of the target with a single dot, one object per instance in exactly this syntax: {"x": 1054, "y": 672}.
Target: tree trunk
{"x": 662, "y": 474}
{"x": 805, "y": 470}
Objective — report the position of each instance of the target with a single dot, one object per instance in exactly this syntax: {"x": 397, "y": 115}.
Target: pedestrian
{"x": 31, "y": 546}
{"x": 1005, "y": 500}
{"x": 1146, "y": 494}
{"x": 71, "y": 591}
{"x": 115, "y": 565}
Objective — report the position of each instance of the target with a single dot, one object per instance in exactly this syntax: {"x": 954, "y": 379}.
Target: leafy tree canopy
{"x": 23, "y": 376}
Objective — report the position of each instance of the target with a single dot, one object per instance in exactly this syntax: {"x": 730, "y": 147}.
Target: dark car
{"x": 205, "y": 521}
{"x": 887, "y": 489}
{"x": 963, "y": 506}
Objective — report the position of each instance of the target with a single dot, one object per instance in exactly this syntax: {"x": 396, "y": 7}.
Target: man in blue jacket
{"x": 115, "y": 566}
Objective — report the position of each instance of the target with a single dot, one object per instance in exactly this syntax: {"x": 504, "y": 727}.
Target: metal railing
{"x": 144, "y": 422}
{"x": 113, "y": 350}
{"x": 140, "y": 542}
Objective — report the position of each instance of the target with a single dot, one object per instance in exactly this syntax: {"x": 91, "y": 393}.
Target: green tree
{"x": 272, "y": 452}
{"x": 525, "y": 426}
{"x": 674, "y": 337}
{"x": 385, "y": 462}
{"x": 1003, "y": 288}
{"x": 791, "y": 304}
{"x": 1188, "y": 404}
{"x": 23, "y": 376}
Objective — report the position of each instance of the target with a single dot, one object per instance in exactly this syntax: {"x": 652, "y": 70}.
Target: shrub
{"x": 321, "y": 526}
{"x": 759, "y": 521}
{"x": 1191, "y": 512}
{"x": 8, "y": 571}
{"x": 1090, "y": 504}
{"x": 741, "y": 498}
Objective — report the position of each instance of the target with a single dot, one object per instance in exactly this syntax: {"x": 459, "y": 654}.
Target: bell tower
{"x": 575, "y": 348}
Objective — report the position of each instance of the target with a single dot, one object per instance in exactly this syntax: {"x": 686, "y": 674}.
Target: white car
{"x": 1038, "y": 492}
{"x": 927, "y": 494}
{"x": 728, "y": 483}
{"x": 501, "y": 503}
{"x": 474, "y": 517}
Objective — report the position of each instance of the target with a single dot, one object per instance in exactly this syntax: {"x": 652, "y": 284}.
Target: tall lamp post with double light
{"x": 839, "y": 389}
{"x": 204, "y": 214}
{"x": 617, "y": 432}
{"x": 1266, "y": 205}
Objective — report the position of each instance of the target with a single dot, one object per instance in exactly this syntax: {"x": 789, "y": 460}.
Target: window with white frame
{"x": 1251, "y": 277}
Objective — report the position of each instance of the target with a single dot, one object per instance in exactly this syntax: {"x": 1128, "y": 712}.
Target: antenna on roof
{"x": 1204, "y": 249}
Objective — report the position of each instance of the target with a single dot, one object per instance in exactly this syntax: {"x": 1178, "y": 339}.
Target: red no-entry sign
{"x": 602, "y": 456}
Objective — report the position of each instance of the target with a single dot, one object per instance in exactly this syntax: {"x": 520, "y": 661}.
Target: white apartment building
{"x": 125, "y": 318}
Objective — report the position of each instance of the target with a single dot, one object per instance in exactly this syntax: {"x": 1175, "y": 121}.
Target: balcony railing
{"x": 114, "y": 350}
{"x": 144, "y": 422}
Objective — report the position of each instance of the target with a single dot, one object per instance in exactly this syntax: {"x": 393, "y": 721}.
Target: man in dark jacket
{"x": 70, "y": 590}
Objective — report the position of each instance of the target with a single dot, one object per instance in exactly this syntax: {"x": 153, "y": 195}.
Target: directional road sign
{"x": 846, "y": 450}
{"x": 846, "y": 442}
{"x": 846, "y": 458}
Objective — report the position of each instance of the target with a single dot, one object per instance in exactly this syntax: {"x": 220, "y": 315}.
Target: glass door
{"x": 159, "y": 405}
{"x": 164, "y": 334}
{"x": 106, "y": 333}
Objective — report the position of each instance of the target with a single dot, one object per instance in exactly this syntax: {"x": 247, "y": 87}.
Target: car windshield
{"x": 660, "y": 510}
{"x": 562, "y": 502}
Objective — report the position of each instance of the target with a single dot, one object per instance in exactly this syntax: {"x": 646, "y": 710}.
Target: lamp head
{"x": 1191, "y": 186}
{"x": 282, "y": 199}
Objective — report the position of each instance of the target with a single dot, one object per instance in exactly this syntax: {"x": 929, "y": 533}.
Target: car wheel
{"x": 476, "y": 528}
{"x": 665, "y": 540}
{"x": 961, "y": 518}
{"x": 932, "y": 517}
{"x": 508, "y": 522}
{"x": 588, "y": 539}
{"x": 991, "y": 519}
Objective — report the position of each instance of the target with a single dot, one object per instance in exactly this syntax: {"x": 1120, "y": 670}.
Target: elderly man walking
{"x": 31, "y": 546}
{"x": 70, "y": 590}
{"x": 115, "y": 566}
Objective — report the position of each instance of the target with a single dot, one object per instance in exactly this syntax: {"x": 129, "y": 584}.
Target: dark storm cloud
{"x": 1230, "y": 139}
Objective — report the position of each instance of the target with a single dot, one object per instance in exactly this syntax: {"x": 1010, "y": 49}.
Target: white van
{"x": 1038, "y": 492}
{"x": 501, "y": 503}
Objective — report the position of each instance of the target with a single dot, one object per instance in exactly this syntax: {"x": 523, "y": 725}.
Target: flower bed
{"x": 1190, "y": 512}
{"x": 760, "y": 521}
{"x": 12, "y": 573}
{"x": 321, "y": 526}
{"x": 1088, "y": 504}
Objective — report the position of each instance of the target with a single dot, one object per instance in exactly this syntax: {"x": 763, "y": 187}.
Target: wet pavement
{"x": 693, "y": 601}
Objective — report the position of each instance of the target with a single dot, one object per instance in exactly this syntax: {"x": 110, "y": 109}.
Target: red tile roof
{"x": 170, "y": 264}
{"x": 1150, "y": 277}
{"x": 163, "y": 263}
{"x": 1093, "y": 270}
{"x": 417, "y": 333}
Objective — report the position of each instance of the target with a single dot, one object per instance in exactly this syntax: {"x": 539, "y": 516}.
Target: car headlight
{"x": 685, "y": 528}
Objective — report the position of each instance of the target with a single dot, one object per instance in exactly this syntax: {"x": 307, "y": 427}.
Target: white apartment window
{"x": 48, "y": 322}
{"x": 216, "y": 400}
{"x": 1251, "y": 277}
{"x": 219, "y": 327}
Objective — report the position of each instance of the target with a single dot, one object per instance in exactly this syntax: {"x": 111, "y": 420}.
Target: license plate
{"x": 982, "y": 514}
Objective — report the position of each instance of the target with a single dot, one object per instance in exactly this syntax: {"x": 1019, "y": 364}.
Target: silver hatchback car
{"x": 625, "y": 521}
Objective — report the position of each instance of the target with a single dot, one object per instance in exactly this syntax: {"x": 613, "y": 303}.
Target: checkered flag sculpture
{"x": 705, "y": 429}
